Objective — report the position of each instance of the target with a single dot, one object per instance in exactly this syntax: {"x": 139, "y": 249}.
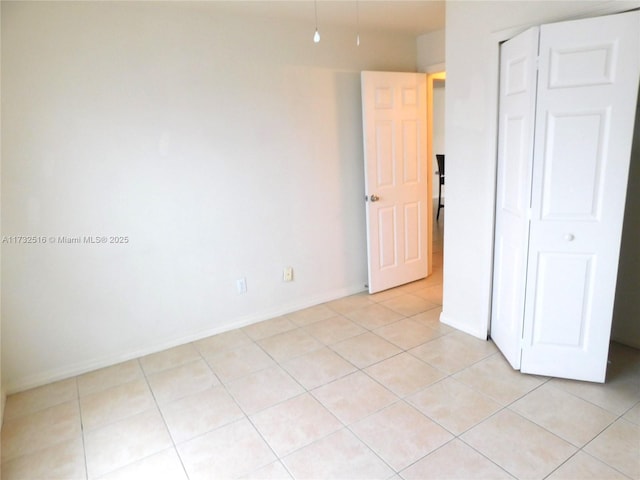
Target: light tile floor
{"x": 362, "y": 387}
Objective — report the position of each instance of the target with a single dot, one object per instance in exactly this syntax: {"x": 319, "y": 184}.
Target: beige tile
{"x": 437, "y": 267}
{"x": 64, "y": 460}
{"x": 273, "y": 471}
{"x": 453, "y": 352}
{"x": 289, "y": 344}
{"x": 165, "y": 465}
{"x": 454, "y": 405}
{"x": 340, "y": 455}
{"x": 240, "y": 361}
{"x": 519, "y": 446}
{"x": 269, "y": 328}
{"x": 431, "y": 319}
{"x": 295, "y": 423}
{"x": 584, "y": 467}
{"x": 404, "y": 374}
{"x": 432, "y": 294}
{"x": 348, "y": 304}
{"x": 616, "y": 395}
{"x": 227, "y": 452}
{"x": 354, "y": 397}
{"x": 221, "y": 342}
{"x": 45, "y": 428}
{"x": 407, "y": 333}
{"x": 569, "y": 417}
{"x": 126, "y": 441}
{"x": 334, "y": 329}
{"x": 386, "y": 295}
{"x": 263, "y": 389}
{"x": 365, "y": 349}
{"x": 310, "y": 315}
{"x": 414, "y": 286}
{"x": 633, "y": 414}
{"x": 408, "y": 304}
{"x": 318, "y": 367}
{"x": 200, "y": 413}
{"x": 181, "y": 381}
{"x": 454, "y": 461}
{"x": 436, "y": 276}
{"x": 495, "y": 378}
{"x": 173, "y": 357}
{"x": 619, "y": 447}
{"x": 108, "y": 377}
{"x": 115, "y": 403}
{"x": 36, "y": 399}
{"x": 374, "y": 316}
{"x": 400, "y": 434}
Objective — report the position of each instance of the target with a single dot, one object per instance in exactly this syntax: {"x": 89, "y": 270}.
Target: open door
{"x": 518, "y": 83}
{"x": 588, "y": 77}
{"x": 396, "y": 191}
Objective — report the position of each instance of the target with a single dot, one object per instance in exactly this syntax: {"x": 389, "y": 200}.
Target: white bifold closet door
{"x": 567, "y": 105}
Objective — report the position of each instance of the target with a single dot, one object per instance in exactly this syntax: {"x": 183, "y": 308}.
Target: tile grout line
{"x": 82, "y": 431}
{"x": 164, "y": 421}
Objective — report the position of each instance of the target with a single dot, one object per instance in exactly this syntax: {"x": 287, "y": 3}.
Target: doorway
{"x": 435, "y": 145}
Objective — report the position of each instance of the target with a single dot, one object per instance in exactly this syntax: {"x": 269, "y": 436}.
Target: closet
{"x": 568, "y": 94}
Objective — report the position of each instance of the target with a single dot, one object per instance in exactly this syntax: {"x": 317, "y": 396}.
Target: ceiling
{"x": 396, "y": 16}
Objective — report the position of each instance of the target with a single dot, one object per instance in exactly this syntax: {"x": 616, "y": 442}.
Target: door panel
{"x": 412, "y": 235}
{"x": 388, "y": 247}
{"x": 515, "y": 156}
{"x": 563, "y": 299}
{"x": 394, "y": 116}
{"x": 587, "y": 93}
{"x": 572, "y": 193}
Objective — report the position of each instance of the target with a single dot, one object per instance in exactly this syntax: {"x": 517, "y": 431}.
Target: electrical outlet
{"x": 287, "y": 274}
{"x": 241, "y": 285}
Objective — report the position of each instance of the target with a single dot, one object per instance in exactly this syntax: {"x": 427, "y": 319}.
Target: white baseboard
{"x": 80, "y": 368}
{"x": 452, "y": 322}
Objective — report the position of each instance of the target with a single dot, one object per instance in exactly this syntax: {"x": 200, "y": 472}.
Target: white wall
{"x": 473, "y": 32}
{"x": 431, "y": 55}
{"x": 431, "y": 52}
{"x": 221, "y": 147}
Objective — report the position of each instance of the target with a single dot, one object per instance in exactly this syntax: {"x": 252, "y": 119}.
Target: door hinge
{"x": 366, "y": 198}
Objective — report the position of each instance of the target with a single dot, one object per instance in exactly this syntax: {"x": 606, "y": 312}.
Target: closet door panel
{"x": 587, "y": 93}
{"x": 515, "y": 158}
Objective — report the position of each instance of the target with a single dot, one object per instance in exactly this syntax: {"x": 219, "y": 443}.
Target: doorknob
{"x": 569, "y": 237}
{"x": 374, "y": 198}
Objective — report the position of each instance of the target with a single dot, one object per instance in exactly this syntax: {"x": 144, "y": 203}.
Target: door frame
{"x": 431, "y": 77}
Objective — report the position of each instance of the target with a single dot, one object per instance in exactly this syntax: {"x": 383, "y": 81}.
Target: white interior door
{"x": 513, "y": 195}
{"x": 588, "y": 79}
{"x": 394, "y": 125}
